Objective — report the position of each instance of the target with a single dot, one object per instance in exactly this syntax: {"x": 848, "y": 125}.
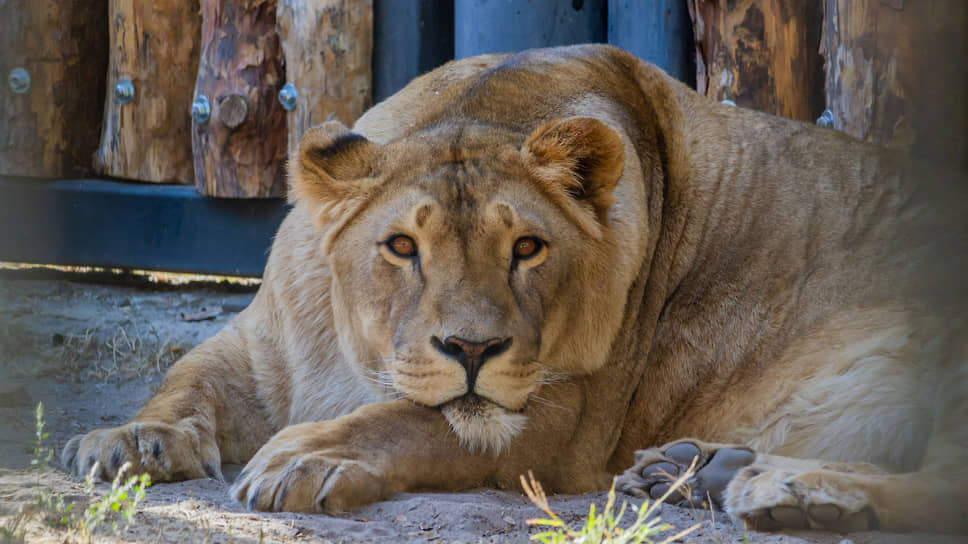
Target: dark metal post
{"x": 410, "y": 37}
{"x": 493, "y": 26}
{"x": 658, "y": 31}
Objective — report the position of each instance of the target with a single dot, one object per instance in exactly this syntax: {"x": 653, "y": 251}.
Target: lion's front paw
{"x": 166, "y": 452}
{"x": 769, "y": 499}
{"x": 284, "y": 476}
{"x": 655, "y": 469}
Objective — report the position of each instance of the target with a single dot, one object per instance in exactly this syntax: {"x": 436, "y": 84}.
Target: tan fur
{"x": 710, "y": 272}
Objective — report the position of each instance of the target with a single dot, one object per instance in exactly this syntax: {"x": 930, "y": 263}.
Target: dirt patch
{"x": 93, "y": 354}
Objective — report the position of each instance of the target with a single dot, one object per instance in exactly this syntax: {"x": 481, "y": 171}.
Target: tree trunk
{"x": 49, "y": 125}
{"x": 328, "y": 46}
{"x": 761, "y": 54}
{"x": 896, "y": 74}
{"x": 154, "y": 45}
{"x": 240, "y": 150}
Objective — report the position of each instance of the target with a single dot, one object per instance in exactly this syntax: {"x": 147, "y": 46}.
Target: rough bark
{"x": 896, "y": 74}
{"x": 328, "y": 45}
{"x": 52, "y": 129}
{"x": 240, "y": 151}
{"x": 761, "y": 54}
{"x": 155, "y": 45}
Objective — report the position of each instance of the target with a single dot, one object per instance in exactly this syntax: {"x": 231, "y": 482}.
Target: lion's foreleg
{"x": 202, "y": 415}
{"x": 359, "y": 458}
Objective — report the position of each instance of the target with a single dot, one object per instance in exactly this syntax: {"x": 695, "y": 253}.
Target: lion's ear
{"x": 579, "y": 157}
{"x": 332, "y": 169}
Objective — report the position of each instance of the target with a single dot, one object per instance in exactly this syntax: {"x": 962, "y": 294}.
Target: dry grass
{"x": 605, "y": 527}
{"x": 127, "y": 353}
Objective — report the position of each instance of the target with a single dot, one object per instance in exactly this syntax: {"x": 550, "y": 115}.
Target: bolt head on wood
{"x": 288, "y": 96}
{"x": 201, "y": 109}
{"x": 232, "y": 110}
{"x": 19, "y": 80}
{"x": 826, "y": 119}
{"x": 124, "y": 91}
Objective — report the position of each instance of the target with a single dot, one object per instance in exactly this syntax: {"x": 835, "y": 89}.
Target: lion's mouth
{"x": 482, "y": 425}
{"x": 471, "y": 403}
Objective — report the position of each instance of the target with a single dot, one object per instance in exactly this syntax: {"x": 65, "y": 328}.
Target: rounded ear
{"x": 332, "y": 168}
{"x": 580, "y": 158}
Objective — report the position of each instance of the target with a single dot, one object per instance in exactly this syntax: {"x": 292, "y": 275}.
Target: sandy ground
{"x": 93, "y": 354}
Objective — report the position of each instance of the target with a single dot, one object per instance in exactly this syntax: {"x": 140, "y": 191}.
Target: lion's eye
{"x": 402, "y": 246}
{"x": 527, "y": 247}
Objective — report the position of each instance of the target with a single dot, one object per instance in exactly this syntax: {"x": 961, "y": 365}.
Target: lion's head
{"x": 470, "y": 263}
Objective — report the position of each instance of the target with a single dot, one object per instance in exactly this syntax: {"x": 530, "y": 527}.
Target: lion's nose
{"x": 471, "y": 355}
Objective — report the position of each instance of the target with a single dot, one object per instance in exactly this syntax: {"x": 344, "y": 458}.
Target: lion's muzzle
{"x": 470, "y": 354}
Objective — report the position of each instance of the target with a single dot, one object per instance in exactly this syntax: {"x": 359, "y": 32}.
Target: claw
{"x": 212, "y": 472}
{"x": 253, "y": 503}
{"x": 115, "y": 458}
{"x": 69, "y": 456}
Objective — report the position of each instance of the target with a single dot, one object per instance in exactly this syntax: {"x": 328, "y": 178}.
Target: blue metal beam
{"x": 93, "y": 222}
{"x": 504, "y": 26}
{"x": 410, "y": 37}
{"x": 658, "y": 31}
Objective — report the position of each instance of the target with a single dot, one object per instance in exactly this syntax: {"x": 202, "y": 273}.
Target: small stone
{"x": 509, "y": 520}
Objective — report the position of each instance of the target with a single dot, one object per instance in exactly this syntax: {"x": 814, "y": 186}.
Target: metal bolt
{"x": 201, "y": 109}
{"x": 729, "y": 102}
{"x": 124, "y": 91}
{"x": 826, "y": 119}
{"x": 287, "y": 96}
{"x": 19, "y": 80}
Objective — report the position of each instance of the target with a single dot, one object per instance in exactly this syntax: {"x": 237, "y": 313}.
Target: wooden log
{"x": 761, "y": 54}
{"x": 896, "y": 74}
{"x": 53, "y": 58}
{"x": 240, "y": 150}
{"x": 328, "y": 47}
{"x": 154, "y": 45}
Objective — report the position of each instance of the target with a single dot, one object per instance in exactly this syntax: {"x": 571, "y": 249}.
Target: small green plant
{"x": 120, "y": 501}
{"x": 50, "y": 505}
{"x": 603, "y": 528}
{"x": 42, "y": 452}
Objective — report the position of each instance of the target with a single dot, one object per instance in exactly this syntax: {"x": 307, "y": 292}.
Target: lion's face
{"x": 459, "y": 266}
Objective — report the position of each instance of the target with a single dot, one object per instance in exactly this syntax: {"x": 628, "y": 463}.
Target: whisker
{"x": 384, "y": 378}
{"x": 550, "y": 376}
{"x": 546, "y": 402}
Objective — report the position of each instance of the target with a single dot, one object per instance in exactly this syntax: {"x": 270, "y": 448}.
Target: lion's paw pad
{"x": 828, "y": 517}
{"x": 656, "y": 469}
{"x": 774, "y": 499}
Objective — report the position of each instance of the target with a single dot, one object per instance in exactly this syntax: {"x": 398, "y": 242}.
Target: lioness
{"x": 551, "y": 260}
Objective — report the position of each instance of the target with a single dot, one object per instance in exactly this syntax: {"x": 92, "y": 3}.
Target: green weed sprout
{"x": 121, "y": 500}
{"x": 42, "y": 453}
{"x": 120, "y": 503}
{"x": 603, "y": 528}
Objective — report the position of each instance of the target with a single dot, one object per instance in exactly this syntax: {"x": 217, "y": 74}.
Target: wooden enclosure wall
{"x": 146, "y": 133}
{"x": 761, "y": 54}
{"x": 891, "y": 72}
{"x": 897, "y": 74}
{"x": 52, "y": 61}
{"x": 328, "y": 46}
{"x": 240, "y": 150}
